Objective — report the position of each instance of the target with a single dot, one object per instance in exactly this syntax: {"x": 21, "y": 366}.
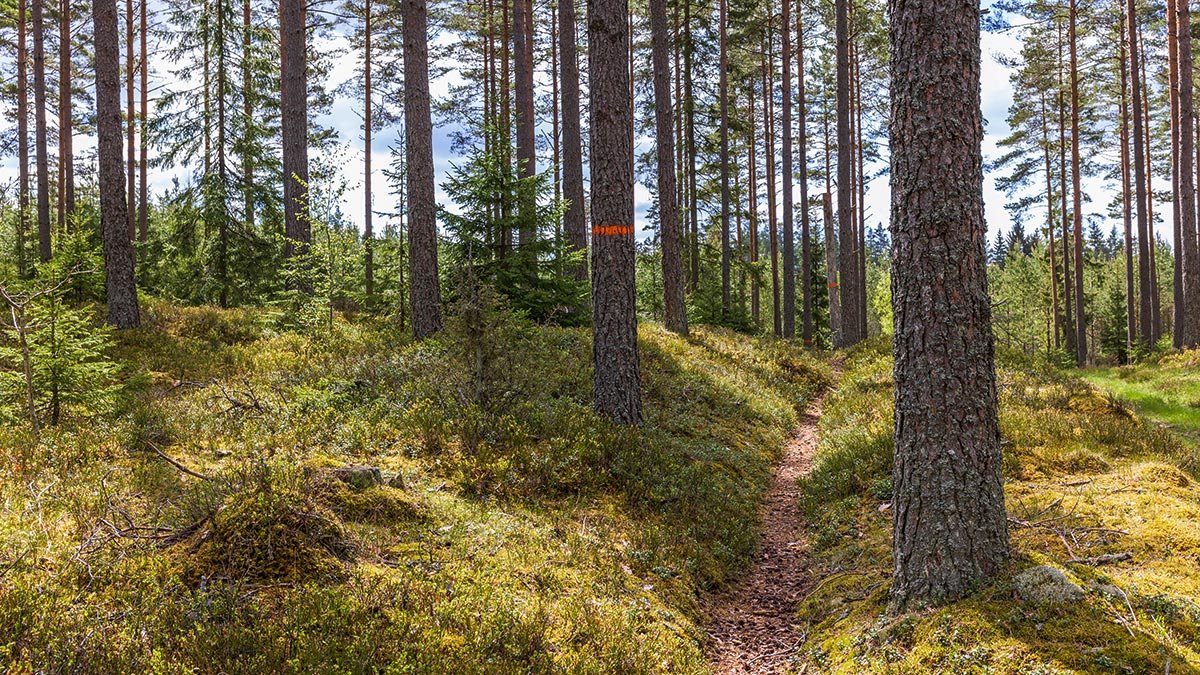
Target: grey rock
{"x": 397, "y": 481}
{"x": 359, "y": 477}
{"x": 1046, "y": 585}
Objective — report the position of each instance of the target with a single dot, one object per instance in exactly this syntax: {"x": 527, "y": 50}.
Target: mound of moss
{"x": 1092, "y": 490}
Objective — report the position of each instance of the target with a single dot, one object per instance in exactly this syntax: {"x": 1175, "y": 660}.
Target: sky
{"x": 345, "y": 118}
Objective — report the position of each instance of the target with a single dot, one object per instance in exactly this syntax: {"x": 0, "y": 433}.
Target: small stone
{"x": 359, "y": 477}
{"x": 396, "y": 481}
{"x": 1046, "y": 585}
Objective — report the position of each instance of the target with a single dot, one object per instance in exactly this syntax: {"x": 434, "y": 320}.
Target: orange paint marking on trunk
{"x": 612, "y": 230}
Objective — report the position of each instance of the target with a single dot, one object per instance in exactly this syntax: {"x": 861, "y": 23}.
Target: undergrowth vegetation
{"x": 342, "y": 500}
{"x": 1085, "y": 478}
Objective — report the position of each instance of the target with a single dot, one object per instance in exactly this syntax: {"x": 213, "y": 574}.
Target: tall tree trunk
{"x": 1151, "y": 237}
{"x": 675, "y": 313}
{"x": 506, "y": 235}
{"x": 131, "y": 115}
{"x": 22, "y": 135}
{"x": 861, "y": 196}
{"x": 418, "y": 148}
{"x": 949, "y": 523}
{"x": 1139, "y": 182}
{"x": 1050, "y": 227}
{"x": 248, "y": 98}
{"x": 574, "y": 219}
{"x": 368, "y": 120}
{"x": 723, "y": 95}
{"x": 1081, "y": 346}
{"x": 118, "y": 249}
{"x": 1189, "y": 328}
{"x": 40, "y": 132}
{"x": 752, "y": 206}
{"x": 847, "y": 252}
{"x": 789, "y": 238}
{"x": 1126, "y": 197}
{"x": 222, "y": 170}
{"x": 144, "y": 149}
{"x": 614, "y": 307}
{"x": 66, "y": 158}
{"x": 1068, "y": 293}
{"x": 526, "y": 151}
{"x": 806, "y": 330}
{"x": 293, "y": 48}
{"x": 768, "y": 68}
{"x": 831, "y": 247}
{"x": 690, "y": 113}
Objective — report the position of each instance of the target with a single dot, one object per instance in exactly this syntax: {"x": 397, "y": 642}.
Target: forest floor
{"x": 754, "y": 627}
{"x": 1166, "y": 391}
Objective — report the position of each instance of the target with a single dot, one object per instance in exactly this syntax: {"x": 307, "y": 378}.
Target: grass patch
{"x": 516, "y": 530}
{"x": 1084, "y": 476}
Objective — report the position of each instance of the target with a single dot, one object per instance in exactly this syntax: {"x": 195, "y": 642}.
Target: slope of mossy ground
{"x": 1165, "y": 390}
{"x": 521, "y": 533}
{"x": 1084, "y": 476}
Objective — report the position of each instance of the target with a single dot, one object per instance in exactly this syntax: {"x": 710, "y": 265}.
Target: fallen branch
{"x": 191, "y": 472}
{"x": 1105, "y": 559}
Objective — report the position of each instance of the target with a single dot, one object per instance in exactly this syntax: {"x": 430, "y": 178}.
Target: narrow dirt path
{"x": 754, "y": 628}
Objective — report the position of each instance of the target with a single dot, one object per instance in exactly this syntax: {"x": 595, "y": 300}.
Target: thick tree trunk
{"x": 368, "y": 226}
{"x": 949, "y": 523}
{"x": 574, "y": 220}
{"x": 526, "y": 150}
{"x": 114, "y": 219}
{"x": 614, "y": 305}
{"x": 41, "y": 134}
{"x": 418, "y": 148}
{"x": 293, "y": 48}
{"x": 789, "y": 238}
{"x": 22, "y": 135}
{"x": 1081, "y": 346}
{"x": 66, "y": 159}
{"x": 1189, "y": 328}
{"x": 806, "y": 330}
{"x": 847, "y": 251}
{"x": 723, "y": 95}
{"x": 675, "y": 313}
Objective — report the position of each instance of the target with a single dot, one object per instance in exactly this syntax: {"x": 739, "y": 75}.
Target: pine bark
{"x": 368, "y": 120}
{"x": 114, "y": 218}
{"x": 675, "y": 312}
{"x": 831, "y": 248}
{"x": 949, "y": 523}
{"x": 574, "y": 220}
{"x": 846, "y": 221}
{"x": 248, "y": 98}
{"x": 614, "y": 311}
{"x": 40, "y": 138}
{"x": 768, "y": 68}
{"x": 806, "y": 330}
{"x": 144, "y": 119}
{"x": 789, "y": 239}
{"x": 690, "y": 114}
{"x": 1056, "y": 322}
{"x": 418, "y": 147}
{"x": 1189, "y": 328}
{"x": 22, "y": 135}
{"x": 522, "y": 31}
{"x": 1126, "y": 196}
{"x": 66, "y": 160}
{"x": 1081, "y": 346}
{"x": 1145, "y": 309}
{"x": 293, "y": 48}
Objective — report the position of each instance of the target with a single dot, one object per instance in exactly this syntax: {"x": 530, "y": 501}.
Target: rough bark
{"x": 1081, "y": 346}
{"x": 949, "y": 523}
{"x": 675, "y": 313}
{"x": 574, "y": 220}
{"x": 40, "y": 133}
{"x": 248, "y": 99}
{"x": 418, "y": 148}
{"x": 752, "y": 206}
{"x": 1189, "y": 327}
{"x": 144, "y": 120}
{"x": 526, "y": 152}
{"x": 131, "y": 118}
{"x": 789, "y": 239}
{"x": 293, "y": 48}
{"x": 769, "y": 143}
{"x": 1126, "y": 197}
{"x": 1050, "y": 227}
{"x": 831, "y": 248}
{"x": 114, "y": 218}
{"x": 614, "y": 312}
{"x": 847, "y": 251}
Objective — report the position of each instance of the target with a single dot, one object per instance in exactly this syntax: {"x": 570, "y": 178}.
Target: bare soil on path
{"x": 753, "y": 625}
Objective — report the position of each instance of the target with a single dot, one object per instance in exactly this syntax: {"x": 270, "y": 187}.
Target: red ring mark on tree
{"x": 612, "y": 230}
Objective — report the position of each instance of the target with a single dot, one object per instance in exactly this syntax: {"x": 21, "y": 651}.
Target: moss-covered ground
{"x": 516, "y": 532}
{"x": 1086, "y": 475}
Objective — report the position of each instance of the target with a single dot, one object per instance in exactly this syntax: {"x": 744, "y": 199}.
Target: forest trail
{"x": 754, "y": 627}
